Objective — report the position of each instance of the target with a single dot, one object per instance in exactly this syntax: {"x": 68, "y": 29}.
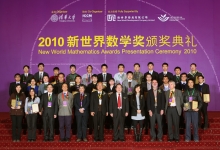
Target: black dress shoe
{"x": 177, "y": 140}
{"x": 170, "y": 140}
{"x": 114, "y": 140}
{"x": 62, "y": 140}
{"x": 152, "y": 140}
{"x": 101, "y": 140}
{"x": 67, "y": 140}
{"x": 45, "y": 140}
{"x": 122, "y": 140}
{"x": 160, "y": 140}
{"x": 51, "y": 140}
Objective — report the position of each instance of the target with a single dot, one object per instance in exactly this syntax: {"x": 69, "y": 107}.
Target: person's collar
{"x": 164, "y": 72}
{"x": 104, "y": 73}
{"x": 46, "y": 83}
{"x": 172, "y": 90}
{"x": 151, "y": 71}
{"x": 118, "y": 93}
{"x": 201, "y": 83}
{"x": 111, "y": 85}
{"x": 166, "y": 85}
{"x": 183, "y": 82}
{"x": 129, "y": 80}
{"x": 148, "y": 82}
{"x": 65, "y": 92}
{"x": 18, "y": 82}
{"x": 41, "y": 72}
{"x": 50, "y": 93}
{"x": 94, "y": 83}
{"x": 81, "y": 93}
{"x": 100, "y": 92}
{"x": 121, "y": 73}
{"x": 177, "y": 75}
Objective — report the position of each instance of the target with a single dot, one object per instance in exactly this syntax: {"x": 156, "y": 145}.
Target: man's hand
{"x": 111, "y": 114}
{"x": 126, "y": 114}
{"x": 161, "y": 112}
{"x": 40, "y": 113}
{"x": 12, "y": 107}
{"x": 138, "y": 111}
{"x": 196, "y": 109}
{"x": 81, "y": 110}
{"x": 55, "y": 116}
{"x": 150, "y": 113}
{"x": 18, "y": 107}
{"x": 185, "y": 109}
{"x": 26, "y": 113}
{"x": 92, "y": 113}
{"x": 107, "y": 114}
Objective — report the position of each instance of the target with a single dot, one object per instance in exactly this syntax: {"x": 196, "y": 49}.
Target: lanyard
{"x": 192, "y": 92}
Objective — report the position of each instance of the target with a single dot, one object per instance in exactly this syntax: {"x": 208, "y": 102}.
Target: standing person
{"x": 151, "y": 71}
{"x": 191, "y": 96}
{"x": 121, "y": 75}
{"x": 92, "y": 86}
{"x": 203, "y": 88}
{"x": 194, "y": 73}
{"x": 81, "y": 103}
{"x": 16, "y": 112}
{"x": 99, "y": 110}
{"x": 87, "y": 78}
{"x": 104, "y": 76}
{"x": 33, "y": 86}
{"x": 118, "y": 109}
{"x": 155, "y": 107}
{"x": 49, "y": 106}
{"x": 138, "y": 76}
{"x": 173, "y": 110}
{"x": 12, "y": 86}
{"x": 137, "y": 111}
{"x": 40, "y": 74}
{"x": 26, "y": 76}
{"x": 58, "y": 86}
{"x": 31, "y": 115}
{"x": 70, "y": 78}
{"x": 164, "y": 73}
{"x": 54, "y": 79}
{"x": 176, "y": 77}
{"x": 43, "y": 87}
{"x": 65, "y": 106}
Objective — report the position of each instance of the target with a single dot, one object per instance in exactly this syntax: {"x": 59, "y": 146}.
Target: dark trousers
{"x": 118, "y": 125}
{"x": 81, "y": 120}
{"x": 48, "y": 123}
{"x": 65, "y": 122}
{"x": 135, "y": 122}
{"x": 156, "y": 117}
{"x": 173, "y": 121}
{"x": 191, "y": 117}
{"x": 182, "y": 124}
{"x": 203, "y": 113}
{"x": 16, "y": 126}
{"x": 99, "y": 120}
{"x": 32, "y": 125}
{"x": 128, "y": 121}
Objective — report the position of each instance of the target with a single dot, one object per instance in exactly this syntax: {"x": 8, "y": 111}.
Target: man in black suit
{"x": 49, "y": 106}
{"x": 194, "y": 73}
{"x": 99, "y": 109}
{"x": 26, "y": 76}
{"x": 164, "y": 73}
{"x": 92, "y": 86}
{"x": 81, "y": 103}
{"x": 40, "y": 74}
{"x": 104, "y": 77}
{"x": 151, "y": 71}
{"x": 203, "y": 88}
{"x": 155, "y": 107}
{"x": 12, "y": 86}
{"x": 176, "y": 77}
{"x": 118, "y": 109}
{"x": 58, "y": 86}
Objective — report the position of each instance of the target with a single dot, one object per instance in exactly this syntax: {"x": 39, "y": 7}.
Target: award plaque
{"x": 93, "y": 90}
{"x": 35, "y": 108}
{"x": 186, "y": 105}
{"x": 13, "y": 102}
{"x": 206, "y": 98}
{"x": 194, "y": 104}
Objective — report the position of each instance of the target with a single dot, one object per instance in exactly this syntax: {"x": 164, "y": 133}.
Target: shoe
{"x": 62, "y": 140}
{"x": 205, "y": 128}
{"x": 101, "y": 140}
{"x": 196, "y": 140}
{"x": 176, "y": 140}
{"x": 67, "y": 139}
{"x": 33, "y": 140}
{"x": 14, "y": 140}
{"x": 18, "y": 140}
{"x": 170, "y": 140}
{"x": 78, "y": 140}
{"x": 29, "y": 140}
{"x": 51, "y": 140}
{"x": 186, "y": 140}
{"x": 152, "y": 140}
{"x": 122, "y": 140}
{"x": 160, "y": 140}
{"x": 114, "y": 140}
{"x": 85, "y": 140}
{"x": 45, "y": 140}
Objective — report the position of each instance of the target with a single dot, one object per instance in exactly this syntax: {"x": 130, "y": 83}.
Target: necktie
{"x": 129, "y": 84}
{"x": 104, "y": 77}
{"x": 89, "y": 78}
{"x": 49, "y": 97}
{"x": 41, "y": 76}
{"x": 119, "y": 101}
{"x": 81, "y": 97}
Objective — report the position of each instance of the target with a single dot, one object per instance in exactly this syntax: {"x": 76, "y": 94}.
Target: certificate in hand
{"x": 206, "y": 98}
{"x": 13, "y": 102}
{"x": 194, "y": 104}
{"x": 35, "y": 108}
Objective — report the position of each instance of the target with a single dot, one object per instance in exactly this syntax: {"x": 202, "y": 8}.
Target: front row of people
{"x": 100, "y": 104}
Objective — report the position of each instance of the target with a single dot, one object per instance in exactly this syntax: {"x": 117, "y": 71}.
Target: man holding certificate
{"x": 205, "y": 94}
{"x": 192, "y": 104}
{"x": 173, "y": 110}
{"x": 48, "y": 105}
{"x": 31, "y": 109}
{"x": 65, "y": 105}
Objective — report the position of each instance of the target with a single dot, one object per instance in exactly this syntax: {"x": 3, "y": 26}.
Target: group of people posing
{"x": 130, "y": 100}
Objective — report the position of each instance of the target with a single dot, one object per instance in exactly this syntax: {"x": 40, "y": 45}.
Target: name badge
{"x": 100, "y": 101}
{"x": 19, "y": 103}
{"x": 129, "y": 89}
{"x": 190, "y": 99}
{"x": 104, "y": 83}
{"x": 49, "y": 104}
{"x": 45, "y": 91}
{"x": 72, "y": 83}
{"x": 64, "y": 103}
{"x": 170, "y": 100}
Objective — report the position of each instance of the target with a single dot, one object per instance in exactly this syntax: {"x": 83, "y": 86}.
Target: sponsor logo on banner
{"x": 128, "y": 18}
{"x": 86, "y": 17}
{"x": 111, "y": 17}
{"x": 165, "y": 18}
{"x": 62, "y": 18}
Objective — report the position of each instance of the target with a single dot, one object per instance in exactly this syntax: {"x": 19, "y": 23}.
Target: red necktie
{"x": 119, "y": 101}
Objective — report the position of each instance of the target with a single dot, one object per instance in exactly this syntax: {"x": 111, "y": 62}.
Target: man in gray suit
{"x": 173, "y": 110}
{"x": 43, "y": 87}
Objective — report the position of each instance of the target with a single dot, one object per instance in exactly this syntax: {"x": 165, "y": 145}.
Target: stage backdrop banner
{"x": 82, "y": 32}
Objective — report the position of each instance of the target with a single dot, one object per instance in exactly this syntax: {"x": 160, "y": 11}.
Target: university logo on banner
{"x": 111, "y": 17}
{"x": 163, "y": 18}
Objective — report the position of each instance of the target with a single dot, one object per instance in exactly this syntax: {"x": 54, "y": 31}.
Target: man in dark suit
{"x": 155, "y": 107}
{"x": 194, "y": 73}
{"x": 176, "y": 77}
{"x": 58, "y": 86}
{"x": 40, "y": 74}
{"x": 118, "y": 109}
{"x": 173, "y": 110}
{"x": 99, "y": 109}
{"x": 81, "y": 103}
{"x": 49, "y": 106}
{"x": 104, "y": 77}
{"x": 54, "y": 79}
{"x": 26, "y": 76}
{"x": 92, "y": 86}
{"x": 151, "y": 71}
{"x": 12, "y": 86}
{"x": 203, "y": 88}
{"x": 164, "y": 73}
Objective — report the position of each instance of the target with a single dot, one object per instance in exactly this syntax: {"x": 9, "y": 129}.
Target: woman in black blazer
{"x": 137, "y": 111}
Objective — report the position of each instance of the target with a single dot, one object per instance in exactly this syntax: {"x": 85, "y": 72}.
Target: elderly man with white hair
{"x": 173, "y": 110}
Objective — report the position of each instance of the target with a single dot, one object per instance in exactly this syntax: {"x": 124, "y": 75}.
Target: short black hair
{"x": 183, "y": 74}
{"x": 50, "y": 84}
{"x": 165, "y": 77}
{"x": 177, "y": 68}
{"x": 82, "y": 85}
{"x": 26, "y": 66}
{"x": 65, "y": 83}
{"x": 201, "y": 76}
{"x": 137, "y": 64}
{"x": 78, "y": 76}
{"x": 94, "y": 75}
{"x": 46, "y": 76}
{"x": 129, "y": 72}
{"x": 118, "y": 84}
{"x": 154, "y": 80}
{"x": 61, "y": 74}
{"x": 17, "y": 74}
{"x": 40, "y": 64}
{"x": 56, "y": 68}
{"x": 193, "y": 64}
{"x": 190, "y": 79}
{"x": 165, "y": 64}
{"x": 104, "y": 65}
{"x": 112, "y": 79}
{"x": 89, "y": 66}
{"x": 121, "y": 65}
{"x": 73, "y": 66}
{"x": 150, "y": 63}
{"x": 148, "y": 74}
